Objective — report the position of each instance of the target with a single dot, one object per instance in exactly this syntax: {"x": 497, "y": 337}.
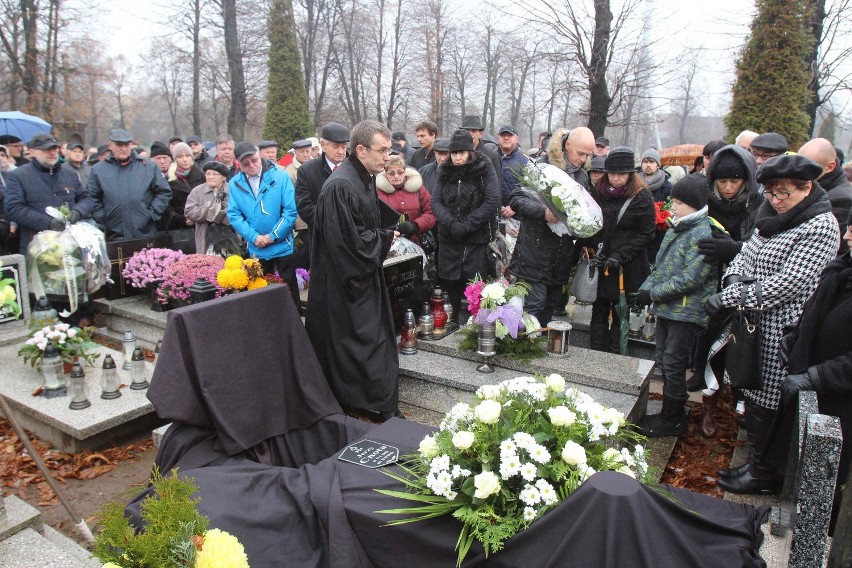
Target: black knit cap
{"x": 692, "y": 190}
{"x": 461, "y": 141}
{"x": 597, "y": 164}
{"x": 159, "y": 149}
{"x": 790, "y": 167}
{"x": 771, "y": 142}
{"x": 727, "y": 165}
{"x": 217, "y": 167}
{"x": 620, "y": 160}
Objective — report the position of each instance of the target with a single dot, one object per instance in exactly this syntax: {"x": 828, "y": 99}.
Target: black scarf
{"x": 769, "y": 222}
{"x": 837, "y": 273}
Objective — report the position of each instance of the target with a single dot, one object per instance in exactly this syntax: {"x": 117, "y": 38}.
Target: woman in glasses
{"x": 795, "y": 237}
{"x": 466, "y": 201}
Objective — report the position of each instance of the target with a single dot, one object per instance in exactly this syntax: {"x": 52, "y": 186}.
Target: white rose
{"x": 428, "y": 448}
{"x": 463, "y": 439}
{"x": 488, "y": 411}
{"x": 626, "y": 471}
{"x": 555, "y": 382}
{"x": 573, "y": 453}
{"x": 71, "y": 333}
{"x": 488, "y": 392}
{"x": 561, "y": 416}
{"x": 613, "y": 416}
{"x": 486, "y": 484}
{"x": 611, "y": 454}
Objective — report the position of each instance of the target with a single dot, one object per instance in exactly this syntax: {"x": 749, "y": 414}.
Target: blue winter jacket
{"x": 681, "y": 282}
{"x": 32, "y": 187}
{"x": 272, "y": 212}
{"x": 511, "y": 163}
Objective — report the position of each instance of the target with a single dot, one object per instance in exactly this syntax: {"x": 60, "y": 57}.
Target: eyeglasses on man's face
{"x": 382, "y": 151}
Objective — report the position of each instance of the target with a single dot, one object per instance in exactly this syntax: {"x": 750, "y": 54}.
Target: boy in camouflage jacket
{"x": 679, "y": 286}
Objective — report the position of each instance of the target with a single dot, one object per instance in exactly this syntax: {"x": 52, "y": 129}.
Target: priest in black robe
{"x": 349, "y": 317}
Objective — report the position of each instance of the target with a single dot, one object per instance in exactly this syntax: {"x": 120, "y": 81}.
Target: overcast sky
{"x": 127, "y": 28}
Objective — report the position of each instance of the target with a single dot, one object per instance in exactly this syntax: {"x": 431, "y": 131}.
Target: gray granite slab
{"x": 73, "y": 430}
{"x": 441, "y": 379}
{"x": 29, "y": 549}
{"x": 133, "y": 313}
{"x": 581, "y": 366}
{"x": 20, "y": 515}
{"x": 71, "y": 547}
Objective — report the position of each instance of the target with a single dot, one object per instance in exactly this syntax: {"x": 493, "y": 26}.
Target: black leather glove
{"x": 785, "y": 346}
{"x": 714, "y": 304}
{"x": 74, "y": 216}
{"x": 794, "y": 384}
{"x": 457, "y": 231}
{"x": 719, "y": 248}
{"x": 642, "y": 298}
{"x": 612, "y": 266}
{"x": 729, "y": 280}
{"x": 407, "y": 228}
{"x": 56, "y": 225}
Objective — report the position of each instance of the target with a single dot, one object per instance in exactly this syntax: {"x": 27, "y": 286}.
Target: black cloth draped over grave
{"x": 261, "y": 441}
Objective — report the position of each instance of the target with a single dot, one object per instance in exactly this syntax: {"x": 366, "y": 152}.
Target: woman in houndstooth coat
{"x": 796, "y": 237}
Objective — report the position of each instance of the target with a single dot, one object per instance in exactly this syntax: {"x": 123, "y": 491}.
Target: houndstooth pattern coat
{"x": 788, "y": 266}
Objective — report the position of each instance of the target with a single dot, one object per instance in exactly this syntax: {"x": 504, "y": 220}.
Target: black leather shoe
{"x": 658, "y": 426}
{"x": 695, "y": 384}
{"x": 733, "y": 471}
{"x": 747, "y": 484}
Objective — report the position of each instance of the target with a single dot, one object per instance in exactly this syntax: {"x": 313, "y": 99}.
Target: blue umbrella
{"x": 24, "y": 126}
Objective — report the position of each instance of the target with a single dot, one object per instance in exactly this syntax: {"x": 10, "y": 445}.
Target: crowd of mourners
{"x": 753, "y": 226}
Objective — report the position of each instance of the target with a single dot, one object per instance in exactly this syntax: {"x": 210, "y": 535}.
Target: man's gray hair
{"x": 745, "y": 134}
{"x": 363, "y": 134}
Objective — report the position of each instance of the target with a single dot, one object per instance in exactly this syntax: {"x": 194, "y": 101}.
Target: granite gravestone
{"x": 404, "y": 281}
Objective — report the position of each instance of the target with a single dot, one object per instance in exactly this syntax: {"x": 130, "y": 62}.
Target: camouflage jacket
{"x": 681, "y": 282}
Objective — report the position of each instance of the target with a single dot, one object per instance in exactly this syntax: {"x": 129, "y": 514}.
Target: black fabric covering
{"x": 261, "y": 439}
{"x": 229, "y": 366}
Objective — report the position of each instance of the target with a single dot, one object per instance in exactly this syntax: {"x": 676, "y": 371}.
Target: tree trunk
{"x": 237, "y": 112}
{"x": 599, "y": 98}
{"x": 196, "y": 67}
{"x": 817, "y": 19}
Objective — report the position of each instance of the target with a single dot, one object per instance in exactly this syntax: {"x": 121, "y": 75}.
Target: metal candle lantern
{"x": 128, "y": 345}
{"x": 52, "y": 373}
{"x": 79, "y": 398}
{"x": 448, "y": 307}
{"x": 157, "y": 348}
{"x": 408, "y": 338}
{"x": 139, "y": 373}
{"x": 427, "y": 322}
{"x": 201, "y": 291}
{"x": 649, "y": 330}
{"x": 558, "y": 338}
{"x": 109, "y": 379}
{"x": 486, "y": 345}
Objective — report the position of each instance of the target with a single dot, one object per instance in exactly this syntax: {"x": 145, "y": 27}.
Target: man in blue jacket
{"x": 129, "y": 191}
{"x": 262, "y": 208}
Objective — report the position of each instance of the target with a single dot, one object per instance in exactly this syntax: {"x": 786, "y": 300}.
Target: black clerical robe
{"x": 349, "y": 316}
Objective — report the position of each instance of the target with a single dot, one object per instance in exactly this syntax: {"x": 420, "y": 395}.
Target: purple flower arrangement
{"x": 303, "y": 278}
{"x": 147, "y": 267}
{"x": 184, "y": 272}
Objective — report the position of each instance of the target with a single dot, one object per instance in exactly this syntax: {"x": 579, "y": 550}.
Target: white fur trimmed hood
{"x": 413, "y": 182}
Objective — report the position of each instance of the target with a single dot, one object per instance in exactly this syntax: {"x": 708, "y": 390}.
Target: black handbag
{"x": 743, "y": 353}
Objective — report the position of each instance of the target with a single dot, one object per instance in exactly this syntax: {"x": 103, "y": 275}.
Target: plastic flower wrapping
{"x": 184, "y": 272}
{"x": 147, "y": 267}
{"x": 578, "y": 213}
{"x": 175, "y": 535}
{"x": 303, "y": 278}
{"x": 514, "y": 453}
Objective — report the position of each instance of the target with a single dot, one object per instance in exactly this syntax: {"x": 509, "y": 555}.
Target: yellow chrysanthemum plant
{"x": 241, "y": 274}
{"x": 175, "y": 535}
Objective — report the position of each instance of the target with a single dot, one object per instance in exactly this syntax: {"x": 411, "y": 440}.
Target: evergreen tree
{"x": 287, "y": 117}
{"x": 771, "y": 90}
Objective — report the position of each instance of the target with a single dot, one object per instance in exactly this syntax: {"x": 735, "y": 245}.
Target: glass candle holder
{"x": 79, "y": 397}
{"x": 52, "y": 373}
{"x": 408, "y": 337}
{"x": 110, "y": 382}
{"x": 139, "y": 373}
{"x": 128, "y": 345}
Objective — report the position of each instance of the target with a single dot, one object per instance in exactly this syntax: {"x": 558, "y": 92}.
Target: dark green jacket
{"x": 681, "y": 281}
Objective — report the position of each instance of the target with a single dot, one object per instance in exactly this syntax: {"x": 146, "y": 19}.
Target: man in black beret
{"x": 301, "y": 155}
{"x": 268, "y": 150}
{"x": 398, "y": 138}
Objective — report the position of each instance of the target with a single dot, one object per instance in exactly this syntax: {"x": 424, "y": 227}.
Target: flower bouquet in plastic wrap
{"x": 66, "y": 265}
{"x": 518, "y": 333}
{"x": 514, "y": 453}
{"x": 577, "y": 212}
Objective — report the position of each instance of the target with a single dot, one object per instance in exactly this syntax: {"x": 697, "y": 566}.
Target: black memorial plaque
{"x": 368, "y": 453}
{"x": 404, "y": 281}
{"x": 119, "y": 253}
{"x": 11, "y": 271}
